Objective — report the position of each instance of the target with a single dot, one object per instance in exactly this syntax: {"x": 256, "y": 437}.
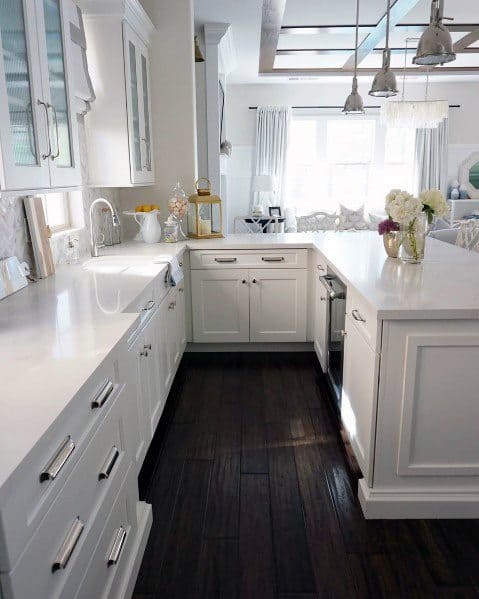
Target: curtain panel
{"x": 430, "y": 164}
{"x": 272, "y": 133}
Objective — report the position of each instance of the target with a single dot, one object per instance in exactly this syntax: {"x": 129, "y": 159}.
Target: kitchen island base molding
{"x": 250, "y": 347}
{"x": 382, "y": 505}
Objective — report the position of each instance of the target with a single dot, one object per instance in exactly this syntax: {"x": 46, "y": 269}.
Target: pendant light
{"x": 384, "y": 83}
{"x": 198, "y": 53}
{"x": 354, "y": 102}
{"x": 435, "y": 46}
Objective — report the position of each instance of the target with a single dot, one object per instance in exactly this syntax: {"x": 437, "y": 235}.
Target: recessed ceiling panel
{"x": 322, "y": 40}
{"x": 329, "y": 61}
{"x": 325, "y": 12}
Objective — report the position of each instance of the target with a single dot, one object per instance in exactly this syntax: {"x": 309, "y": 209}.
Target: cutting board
{"x": 39, "y": 235}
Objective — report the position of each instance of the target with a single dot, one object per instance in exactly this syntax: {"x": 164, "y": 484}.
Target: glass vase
{"x": 413, "y": 240}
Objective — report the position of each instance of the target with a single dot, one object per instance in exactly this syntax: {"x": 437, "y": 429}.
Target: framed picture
{"x": 275, "y": 211}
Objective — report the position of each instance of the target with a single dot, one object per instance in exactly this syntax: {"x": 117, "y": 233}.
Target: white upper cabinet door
{"x": 278, "y": 304}
{"x": 55, "y": 56}
{"x": 24, "y": 111}
{"x": 220, "y": 301}
{"x": 359, "y": 396}
{"x": 139, "y": 107}
{"x": 321, "y": 320}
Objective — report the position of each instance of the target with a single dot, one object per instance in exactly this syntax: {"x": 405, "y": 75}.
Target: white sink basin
{"x": 115, "y": 264}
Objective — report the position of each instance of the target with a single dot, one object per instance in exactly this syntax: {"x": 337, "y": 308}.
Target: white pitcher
{"x": 150, "y": 227}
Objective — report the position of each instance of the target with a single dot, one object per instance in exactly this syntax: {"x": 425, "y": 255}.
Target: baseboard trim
{"x": 250, "y": 347}
{"x": 394, "y": 505}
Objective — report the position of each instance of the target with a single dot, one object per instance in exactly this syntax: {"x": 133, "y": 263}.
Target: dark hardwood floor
{"x": 252, "y": 498}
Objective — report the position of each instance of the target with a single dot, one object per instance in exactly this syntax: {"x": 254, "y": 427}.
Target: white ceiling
{"x": 245, "y": 18}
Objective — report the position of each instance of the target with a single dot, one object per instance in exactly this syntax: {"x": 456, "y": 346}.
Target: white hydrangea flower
{"x": 402, "y": 206}
{"x": 434, "y": 202}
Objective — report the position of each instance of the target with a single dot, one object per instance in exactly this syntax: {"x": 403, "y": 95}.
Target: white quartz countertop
{"x": 55, "y": 333}
{"x": 445, "y": 285}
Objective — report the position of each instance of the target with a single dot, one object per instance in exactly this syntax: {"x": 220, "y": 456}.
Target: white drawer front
{"x": 33, "y": 493}
{"x": 113, "y": 551}
{"x": 64, "y": 531}
{"x": 364, "y": 317}
{"x": 249, "y": 258}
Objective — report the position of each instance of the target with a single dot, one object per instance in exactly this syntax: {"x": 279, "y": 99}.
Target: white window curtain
{"x": 431, "y": 155}
{"x": 272, "y": 133}
{"x": 83, "y": 88}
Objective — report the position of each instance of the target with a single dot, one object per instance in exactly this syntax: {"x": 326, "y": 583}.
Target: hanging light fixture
{"x": 435, "y": 46}
{"x": 384, "y": 84}
{"x": 354, "y": 102}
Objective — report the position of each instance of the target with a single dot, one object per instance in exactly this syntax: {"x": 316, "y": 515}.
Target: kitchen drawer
{"x": 103, "y": 577}
{"x": 80, "y": 504}
{"x": 364, "y": 316}
{"x": 29, "y": 495}
{"x": 249, "y": 258}
{"x": 320, "y": 264}
{"x": 145, "y": 302}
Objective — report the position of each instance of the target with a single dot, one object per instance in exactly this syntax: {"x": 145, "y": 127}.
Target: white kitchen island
{"x": 410, "y": 382}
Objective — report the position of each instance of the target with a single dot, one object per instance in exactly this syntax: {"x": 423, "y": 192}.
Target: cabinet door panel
{"x": 54, "y": 45}
{"x": 23, "y": 121}
{"x": 359, "y": 396}
{"x": 278, "y": 304}
{"x": 147, "y": 123}
{"x": 321, "y": 320}
{"x": 157, "y": 369}
{"x": 220, "y": 300}
{"x": 180, "y": 322}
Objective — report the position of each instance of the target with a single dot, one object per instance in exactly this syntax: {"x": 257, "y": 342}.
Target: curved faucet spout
{"x": 94, "y": 245}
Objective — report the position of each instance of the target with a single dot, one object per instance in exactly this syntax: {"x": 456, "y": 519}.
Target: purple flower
{"x": 387, "y": 226}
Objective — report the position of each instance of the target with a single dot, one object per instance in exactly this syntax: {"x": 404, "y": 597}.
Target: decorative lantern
{"x": 205, "y": 219}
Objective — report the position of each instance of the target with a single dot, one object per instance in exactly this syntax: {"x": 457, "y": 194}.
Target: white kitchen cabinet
{"x": 38, "y": 127}
{"x": 119, "y": 126}
{"x": 220, "y": 301}
{"x": 277, "y": 304}
{"x": 359, "y": 395}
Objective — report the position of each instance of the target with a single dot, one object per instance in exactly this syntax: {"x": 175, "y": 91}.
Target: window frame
{"x": 67, "y": 224}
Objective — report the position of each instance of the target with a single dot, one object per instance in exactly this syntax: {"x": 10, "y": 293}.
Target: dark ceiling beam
{"x": 466, "y": 41}
{"x": 330, "y": 51}
{"x": 404, "y": 27}
{"x": 272, "y": 19}
{"x": 335, "y": 72}
{"x": 399, "y": 10}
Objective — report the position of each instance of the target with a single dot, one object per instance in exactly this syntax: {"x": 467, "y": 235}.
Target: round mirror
{"x": 474, "y": 175}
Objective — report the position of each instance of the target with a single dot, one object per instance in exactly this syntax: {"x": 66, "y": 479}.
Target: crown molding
{"x": 130, "y": 10}
{"x": 221, "y": 35}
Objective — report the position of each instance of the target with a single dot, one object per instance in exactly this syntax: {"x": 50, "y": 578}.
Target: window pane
{"x": 350, "y": 141}
{"x": 399, "y": 146}
{"x": 134, "y": 106}
{"x": 56, "y": 210}
{"x": 15, "y": 58}
{"x": 348, "y": 183}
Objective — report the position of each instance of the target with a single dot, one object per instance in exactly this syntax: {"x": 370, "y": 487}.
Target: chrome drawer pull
{"x": 109, "y": 464}
{"x": 103, "y": 395}
{"x": 118, "y": 542}
{"x": 357, "y": 316}
{"x": 225, "y": 260}
{"x": 273, "y": 258}
{"x": 149, "y": 306}
{"x": 68, "y": 545}
{"x": 52, "y": 469}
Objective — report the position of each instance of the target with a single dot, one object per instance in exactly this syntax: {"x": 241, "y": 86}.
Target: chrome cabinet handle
{"x": 343, "y": 333}
{"x": 109, "y": 463}
{"x": 272, "y": 258}
{"x": 65, "y": 552}
{"x": 254, "y": 281}
{"x": 172, "y": 306}
{"x": 144, "y": 354}
{"x": 103, "y": 394}
{"x": 55, "y": 119}
{"x": 225, "y": 260}
{"x": 117, "y": 546}
{"x": 147, "y": 346}
{"x": 181, "y": 290}
{"x": 47, "y": 114}
{"x": 357, "y": 316}
{"x": 52, "y": 469}
{"x": 149, "y": 306}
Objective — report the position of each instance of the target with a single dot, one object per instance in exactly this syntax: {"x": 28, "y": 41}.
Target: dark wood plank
{"x": 222, "y": 516}
{"x": 255, "y": 541}
{"x": 218, "y": 569}
{"x": 254, "y": 457}
{"x": 178, "y": 575}
{"x": 293, "y": 561}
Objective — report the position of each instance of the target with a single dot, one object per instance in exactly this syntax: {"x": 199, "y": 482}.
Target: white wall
{"x": 464, "y": 122}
